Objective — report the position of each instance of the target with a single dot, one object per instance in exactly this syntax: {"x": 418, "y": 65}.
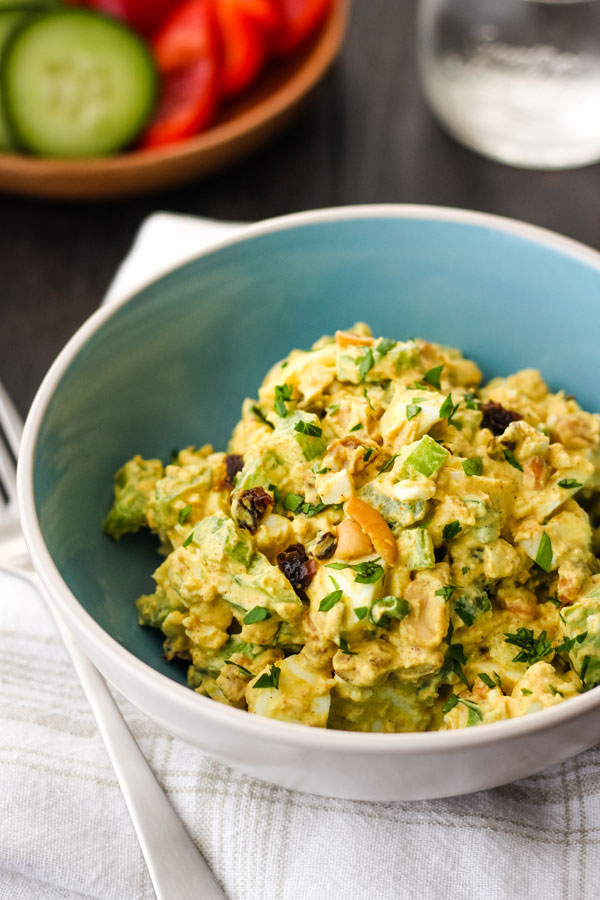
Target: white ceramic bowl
{"x": 130, "y": 380}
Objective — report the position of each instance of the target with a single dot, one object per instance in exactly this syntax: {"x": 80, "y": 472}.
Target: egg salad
{"x": 386, "y": 546}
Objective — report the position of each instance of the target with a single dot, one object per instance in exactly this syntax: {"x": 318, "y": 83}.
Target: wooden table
{"x": 365, "y": 137}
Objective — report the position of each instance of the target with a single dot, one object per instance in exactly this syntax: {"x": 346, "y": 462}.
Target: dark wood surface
{"x": 366, "y": 136}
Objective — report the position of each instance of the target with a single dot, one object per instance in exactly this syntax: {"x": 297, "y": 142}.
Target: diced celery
{"x": 427, "y": 457}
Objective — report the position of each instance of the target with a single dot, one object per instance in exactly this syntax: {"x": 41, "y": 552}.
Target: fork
{"x": 177, "y": 870}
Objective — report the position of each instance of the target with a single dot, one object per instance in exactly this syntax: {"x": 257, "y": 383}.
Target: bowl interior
{"x": 171, "y": 367}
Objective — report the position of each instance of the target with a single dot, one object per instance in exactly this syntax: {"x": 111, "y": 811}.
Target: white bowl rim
{"x": 188, "y": 703}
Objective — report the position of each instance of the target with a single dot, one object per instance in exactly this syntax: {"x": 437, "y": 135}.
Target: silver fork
{"x": 177, "y": 869}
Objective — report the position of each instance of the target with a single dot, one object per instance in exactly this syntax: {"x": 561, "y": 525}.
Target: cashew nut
{"x": 352, "y": 542}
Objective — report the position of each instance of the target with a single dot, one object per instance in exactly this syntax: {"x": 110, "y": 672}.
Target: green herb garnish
{"x": 269, "y": 679}
{"x": 570, "y": 484}
{"x": 293, "y": 502}
{"x": 532, "y": 648}
{"x": 242, "y": 669}
{"x": 188, "y": 539}
{"x": 388, "y": 464}
{"x": 368, "y": 454}
{"x": 412, "y": 410}
{"x": 367, "y": 572}
{"x": 450, "y": 703}
{"x": 510, "y": 457}
{"x": 283, "y": 394}
{"x": 261, "y": 416}
{"x": 256, "y": 614}
{"x": 360, "y": 612}
{"x": 384, "y": 346}
{"x": 451, "y": 530}
{"x": 486, "y": 680}
{"x": 432, "y": 377}
{"x": 457, "y": 655}
{"x": 357, "y": 427}
{"x": 366, "y": 364}
{"x": 387, "y": 608}
{"x": 366, "y": 396}
{"x": 329, "y": 601}
{"x": 526, "y": 692}
{"x": 446, "y": 592}
{"x": 543, "y": 556}
{"x": 184, "y": 513}
{"x": 473, "y": 466}
{"x": 448, "y": 408}
{"x": 345, "y": 648}
{"x": 308, "y": 428}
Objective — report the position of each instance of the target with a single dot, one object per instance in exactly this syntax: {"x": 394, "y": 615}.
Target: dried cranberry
{"x": 496, "y": 418}
{"x": 250, "y": 507}
{"x": 298, "y": 567}
{"x": 234, "y": 463}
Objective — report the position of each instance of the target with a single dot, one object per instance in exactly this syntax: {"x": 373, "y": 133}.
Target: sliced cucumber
{"x": 76, "y": 84}
{"x": 10, "y": 18}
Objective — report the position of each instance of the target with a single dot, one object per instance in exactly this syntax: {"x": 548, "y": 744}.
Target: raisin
{"x": 298, "y": 567}
{"x": 234, "y": 463}
{"x": 496, "y": 418}
{"x": 250, "y": 507}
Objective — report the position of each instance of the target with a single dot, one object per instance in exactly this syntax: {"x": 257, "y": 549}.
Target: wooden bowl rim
{"x": 321, "y": 55}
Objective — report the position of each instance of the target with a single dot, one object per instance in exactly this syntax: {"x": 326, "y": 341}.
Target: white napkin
{"x": 65, "y": 833}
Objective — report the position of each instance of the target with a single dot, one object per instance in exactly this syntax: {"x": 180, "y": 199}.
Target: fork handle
{"x": 177, "y": 869}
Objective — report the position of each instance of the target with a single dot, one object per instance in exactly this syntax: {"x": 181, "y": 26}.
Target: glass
{"x": 515, "y": 80}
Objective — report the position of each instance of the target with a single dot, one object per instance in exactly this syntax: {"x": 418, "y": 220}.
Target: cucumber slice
{"x": 10, "y": 19}
{"x": 76, "y": 84}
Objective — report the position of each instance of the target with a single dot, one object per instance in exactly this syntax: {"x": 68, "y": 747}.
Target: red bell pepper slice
{"x": 186, "y": 49}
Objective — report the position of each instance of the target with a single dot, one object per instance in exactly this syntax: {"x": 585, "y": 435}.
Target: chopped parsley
{"x": 450, "y": 703}
{"x": 297, "y": 504}
{"x": 568, "y": 643}
{"x": 276, "y": 493}
{"x": 308, "y": 428}
{"x": 474, "y": 713}
{"x": 451, "y": 530}
{"x": 543, "y": 556}
{"x": 366, "y": 364}
{"x": 188, "y": 539}
{"x": 367, "y": 572}
{"x": 184, "y": 513}
{"x": 357, "y": 427}
{"x": 570, "y": 484}
{"x": 526, "y": 692}
{"x": 294, "y": 502}
{"x": 329, "y": 601}
{"x": 532, "y": 648}
{"x": 336, "y": 565}
{"x": 256, "y": 614}
{"x": 242, "y": 669}
{"x": 510, "y": 457}
{"x": 283, "y": 394}
{"x": 554, "y": 692}
{"x": 384, "y": 346}
{"x": 446, "y": 592}
{"x": 433, "y": 376}
{"x": 468, "y": 607}
{"x": 345, "y": 648}
{"x": 261, "y": 416}
{"x": 269, "y": 679}
{"x": 360, "y": 612}
{"x": 486, "y": 680}
{"x": 448, "y": 408}
{"x": 412, "y": 410}
{"x": 388, "y": 465}
{"x": 457, "y": 655}
{"x": 368, "y": 454}
{"x": 366, "y": 396}
{"x": 473, "y": 466}
{"x": 333, "y": 409}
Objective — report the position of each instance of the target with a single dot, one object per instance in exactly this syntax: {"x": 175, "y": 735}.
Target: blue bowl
{"x": 171, "y": 366}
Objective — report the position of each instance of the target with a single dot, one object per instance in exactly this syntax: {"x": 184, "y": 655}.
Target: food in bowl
{"x": 386, "y": 545}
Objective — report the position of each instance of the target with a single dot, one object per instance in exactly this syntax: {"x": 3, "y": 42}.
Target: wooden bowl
{"x": 242, "y": 125}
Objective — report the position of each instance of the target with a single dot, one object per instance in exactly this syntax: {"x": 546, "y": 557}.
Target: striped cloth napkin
{"x": 65, "y": 833}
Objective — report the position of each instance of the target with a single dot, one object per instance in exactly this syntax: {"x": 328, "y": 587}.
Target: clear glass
{"x": 515, "y": 80}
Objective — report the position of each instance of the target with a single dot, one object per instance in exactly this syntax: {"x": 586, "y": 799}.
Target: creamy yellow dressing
{"x": 386, "y": 546}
